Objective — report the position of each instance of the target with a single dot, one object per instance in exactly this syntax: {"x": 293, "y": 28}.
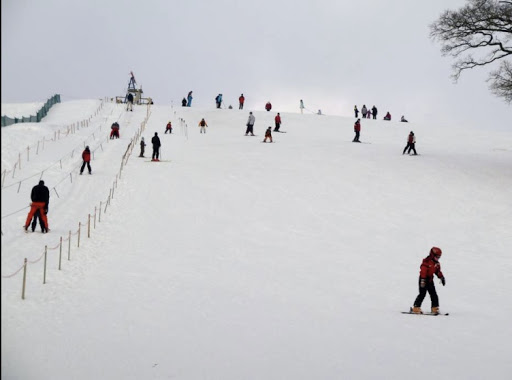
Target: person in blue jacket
{"x": 218, "y": 100}
{"x": 189, "y": 99}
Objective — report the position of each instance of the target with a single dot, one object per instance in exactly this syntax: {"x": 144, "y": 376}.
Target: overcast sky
{"x": 332, "y": 54}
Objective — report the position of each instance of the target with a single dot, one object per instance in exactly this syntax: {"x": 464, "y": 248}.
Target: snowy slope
{"x": 239, "y": 259}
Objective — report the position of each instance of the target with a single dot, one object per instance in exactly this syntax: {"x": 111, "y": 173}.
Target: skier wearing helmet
{"x": 428, "y": 268}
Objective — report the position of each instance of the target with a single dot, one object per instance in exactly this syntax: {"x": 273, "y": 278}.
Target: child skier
{"x": 428, "y": 268}
{"x": 268, "y": 134}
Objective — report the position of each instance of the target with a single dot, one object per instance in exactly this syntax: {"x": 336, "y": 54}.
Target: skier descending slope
{"x": 429, "y": 267}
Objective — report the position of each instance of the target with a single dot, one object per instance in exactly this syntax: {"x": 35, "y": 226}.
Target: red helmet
{"x": 436, "y": 252}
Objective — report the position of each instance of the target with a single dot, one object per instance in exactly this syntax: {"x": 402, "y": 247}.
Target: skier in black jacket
{"x": 156, "y": 147}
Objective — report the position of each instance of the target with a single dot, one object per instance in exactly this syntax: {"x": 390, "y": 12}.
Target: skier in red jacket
{"x": 277, "y": 120}
{"x": 429, "y": 267}
{"x": 86, "y": 156}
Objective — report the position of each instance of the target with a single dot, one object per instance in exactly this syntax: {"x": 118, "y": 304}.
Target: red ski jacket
{"x": 86, "y": 155}
{"x": 429, "y": 268}
{"x": 278, "y": 119}
{"x": 357, "y": 127}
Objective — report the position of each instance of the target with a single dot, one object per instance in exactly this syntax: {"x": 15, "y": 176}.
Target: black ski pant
{"x": 249, "y": 129}
{"x": 411, "y": 147}
{"x": 356, "y": 138}
{"x": 241, "y": 106}
{"x": 156, "y": 152}
{"x": 83, "y": 167}
{"x": 431, "y": 289}
{"x": 277, "y": 127}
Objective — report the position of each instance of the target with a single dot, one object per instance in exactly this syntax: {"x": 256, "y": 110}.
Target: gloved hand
{"x": 423, "y": 283}
{"x": 443, "y": 281}
{"x": 46, "y": 210}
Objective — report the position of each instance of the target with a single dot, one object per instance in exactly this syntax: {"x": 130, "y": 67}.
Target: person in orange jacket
{"x": 86, "y": 156}
{"x": 241, "y": 101}
{"x": 40, "y": 197}
{"x": 268, "y": 106}
{"x": 430, "y": 266}
{"x": 277, "y": 120}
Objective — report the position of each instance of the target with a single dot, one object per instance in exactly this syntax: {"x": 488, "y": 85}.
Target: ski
{"x": 279, "y": 131}
{"x": 434, "y": 314}
{"x": 158, "y": 161}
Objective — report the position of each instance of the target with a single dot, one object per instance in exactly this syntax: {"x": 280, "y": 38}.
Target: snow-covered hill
{"x": 235, "y": 259}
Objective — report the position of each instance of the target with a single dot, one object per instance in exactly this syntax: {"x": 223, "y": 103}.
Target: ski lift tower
{"x": 136, "y": 92}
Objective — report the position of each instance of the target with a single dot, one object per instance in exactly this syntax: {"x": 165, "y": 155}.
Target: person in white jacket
{"x": 250, "y": 124}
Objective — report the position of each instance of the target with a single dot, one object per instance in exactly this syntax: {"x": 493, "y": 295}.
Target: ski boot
{"x": 416, "y": 310}
{"x": 435, "y": 310}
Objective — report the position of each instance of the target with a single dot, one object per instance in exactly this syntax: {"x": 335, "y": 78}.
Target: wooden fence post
{"x": 44, "y": 270}
{"x": 24, "y": 279}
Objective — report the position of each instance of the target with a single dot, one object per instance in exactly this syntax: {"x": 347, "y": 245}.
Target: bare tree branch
{"x": 483, "y": 27}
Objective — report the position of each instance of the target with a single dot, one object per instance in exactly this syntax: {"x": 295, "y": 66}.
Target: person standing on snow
{"x": 357, "y": 130}
{"x": 202, "y": 126}
{"x": 40, "y": 197}
{"x": 356, "y": 111}
{"x": 156, "y": 147}
{"x": 250, "y": 124}
{"x": 301, "y": 106}
{"x": 411, "y": 144}
{"x": 86, "y": 157}
{"x": 184, "y": 102}
{"x": 142, "y": 146}
{"x": 189, "y": 99}
{"x": 129, "y": 103}
{"x": 277, "y": 120}
{"x": 374, "y": 112}
{"x": 364, "y": 111}
{"x": 218, "y": 100}
{"x": 429, "y": 267}
{"x": 241, "y": 101}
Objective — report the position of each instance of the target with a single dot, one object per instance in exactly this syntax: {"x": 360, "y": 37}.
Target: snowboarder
{"x": 86, "y": 156}
{"x": 411, "y": 144}
{"x": 142, "y": 146}
{"x": 268, "y": 106}
{"x": 357, "y": 129}
{"x": 268, "y": 134}
{"x": 168, "y": 127}
{"x": 189, "y": 99}
{"x": 40, "y": 197}
{"x": 250, "y": 124}
{"x": 356, "y": 111}
{"x": 364, "y": 110}
{"x": 278, "y": 122}
{"x": 202, "y": 126}
{"x": 428, "y": 268}
{"x": 156, "y": 147}
{"x": 241, "y": 101}
{"x": 129, "y": 105}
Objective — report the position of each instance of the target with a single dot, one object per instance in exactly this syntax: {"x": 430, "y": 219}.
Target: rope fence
{"x": 89, "y": 223}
